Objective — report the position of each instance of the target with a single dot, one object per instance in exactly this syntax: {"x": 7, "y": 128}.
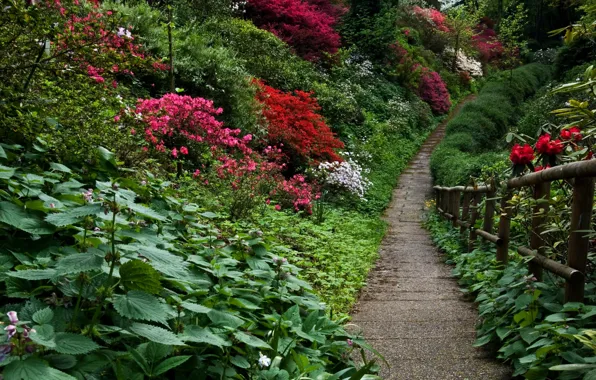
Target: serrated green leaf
{"x": 169, "y": 363}
{"x": 59, "y": 167}
{"x": 223, "y": 318}
{"x": 17, "y": 217}
{"x": 251, "y": 340}
{"x": 199, "y": 334}
{"x": 154, "y": 352}
{"x": 34, "y": 274}
{"x": 93, "y": 259}
{"x": 140, "y": 305}
{"x": 195, "y": 308}
{"x": 146, "y": 211}
{"x": 162, "y": 260}
{"x": 62, "y": 361}
{"x": 156, "y": 334}
{"x": 43, "y": 316}
{"x": 33, "y": 369}
{"x": 74, "y": 344}
{"x": 74, "y": 215}
{"x": 43, "y": 335}
{"x": 138, "y": 275}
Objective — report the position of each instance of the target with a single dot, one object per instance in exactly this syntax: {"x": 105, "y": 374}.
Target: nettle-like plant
{"x": 295, "y": 125}
{"x": 118, "y": 278}
{"x": 307, "y": 26}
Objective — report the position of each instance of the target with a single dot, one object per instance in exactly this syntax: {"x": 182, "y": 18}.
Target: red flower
{"x": 184, "y": 150}
{"x": 545, "y": 145}
{"x": 521, "y": 155}
{"x": 541, "y": 168}
{"x": 175, "y": 152}
{"x": 571, "y": 133}
{"x": 278, "y": 207}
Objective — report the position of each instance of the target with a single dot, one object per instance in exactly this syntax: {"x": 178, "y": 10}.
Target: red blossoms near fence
{"x": 174, "y": 120}
{"x": 521, "y": 155}
{"x": 573, "y": 133}
{"x": 295, "y": 125}
{"x": 545, "y": 145}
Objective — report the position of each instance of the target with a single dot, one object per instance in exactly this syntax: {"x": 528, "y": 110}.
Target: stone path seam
{"x": 412, "y": 310}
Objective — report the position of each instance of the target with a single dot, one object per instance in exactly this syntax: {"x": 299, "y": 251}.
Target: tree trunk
{"x": 171, "y": 50}
{"x": 454, "y": 64}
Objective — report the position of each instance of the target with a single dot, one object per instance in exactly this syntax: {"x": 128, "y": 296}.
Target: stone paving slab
{"x": 412, "y": 311}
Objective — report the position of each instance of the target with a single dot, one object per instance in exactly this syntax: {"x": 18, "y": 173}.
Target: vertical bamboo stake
{"x": 465, "y": 211}
{"x": 541, "y": 192}
{"x": 489, "y": 212}
{"x": 455, "y": 206}
{"x": 581, "y": 214}
{"x": 472, "y": 239}
{"x": 504, "y": 221}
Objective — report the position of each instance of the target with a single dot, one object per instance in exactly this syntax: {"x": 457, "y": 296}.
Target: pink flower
{"x": 184, "y": 150}
{"x": 117, "y": 118}
{"x": 278, "y": 207}
{"x": 133, "y": 131}
{"x": 350, "y": 342}
{"x": 12, "y": 316}
{"x": 196, "y": 173}
{"x": 268, "y": 201}
{"x": 114, "y": 84}
{"x": 175, "y": 153}
{"x": 11, "y": 330}
{"x": 52, "y": 205}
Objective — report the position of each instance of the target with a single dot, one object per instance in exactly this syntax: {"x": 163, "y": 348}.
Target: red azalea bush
{"x": 174, "y": 121}
{"x": 297, "y": 193}
{"x": 307, "y": 26}
{"x": 486, "y": 42}
{"x": 433, "y": 90}
{"x": 294, "y": 124}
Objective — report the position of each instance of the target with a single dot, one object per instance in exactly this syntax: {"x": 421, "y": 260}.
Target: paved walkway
{"x": 412, "y": 311}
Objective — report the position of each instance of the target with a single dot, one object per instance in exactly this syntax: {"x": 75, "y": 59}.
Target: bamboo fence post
{"x": 472, "y": 239}
{"x": 455, "y": 195}
{"x": 504, "y": 221}
{"x": 581, "y": 214}
{"x": 541, "y": 194}
{"x": 465, "y": 211}
{"x": 489, "y": 212}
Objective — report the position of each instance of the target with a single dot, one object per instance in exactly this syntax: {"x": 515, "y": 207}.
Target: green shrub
{"x": 485, "y": 120}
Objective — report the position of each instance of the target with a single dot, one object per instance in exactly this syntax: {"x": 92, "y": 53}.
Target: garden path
{"x": 412, "y": 311}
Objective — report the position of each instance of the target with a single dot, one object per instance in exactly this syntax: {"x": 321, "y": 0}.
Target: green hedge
{"x": 472, "y": 137}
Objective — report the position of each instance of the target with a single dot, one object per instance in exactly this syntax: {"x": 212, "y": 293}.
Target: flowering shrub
{"x": 307, "y": 26}
{"x": 297, "y": 193}
{"x": 548, "y": 147}
{"x": 487, "y": 43}
{"x": 521, "y": 155}
{"x": 174, "y": 120}
{"x": 294, "y": 124}
{"x": 346, "y": 176}
{"x": 433, "y": 90}
{"x": 434, "y": 17}
{"x": 573, "y": 133}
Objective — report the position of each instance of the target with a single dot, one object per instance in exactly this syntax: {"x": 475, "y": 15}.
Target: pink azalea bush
{"x": 433, "y": 17}
{"x": 433, "y": 90}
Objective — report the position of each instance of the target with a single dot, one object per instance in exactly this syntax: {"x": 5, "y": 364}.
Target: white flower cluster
{"x": 465, "y": 63}
{"x": 348, "y": 175}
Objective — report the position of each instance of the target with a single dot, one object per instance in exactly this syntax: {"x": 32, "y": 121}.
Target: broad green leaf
{"x": 162, "y": 260}
{"x": 140, "y": 305}
{"x": 140, "y": 360}
{"x": 154, "y": 352}
{"x": 43, "y": 316}
{"x": 93, "y": 259}
{"x": 590, "y": 375}
{"x": 74, "y": 215}
{"x": 6, "y": 172}
{"x": 222, "y": 318}
{"x": 251, "y": 340}
{"x": 138, "y": 275}
{"x": 44, "y": 336}
{"x": 74, "y": 344}
{"x": 169, "y": 363}
{"x": 195, "y": 308}
{"x": 2, "y": 152}
{"x": 156, "y": 334}
{"x": 146, "y": 211}
{"x": 240, "y": 361}
{"x": 199, "y": 334}
{"x": 34, "y": 274}
{"x": 244, "y": 304}
{"x": 482, "y": 340}
{"x": 558, "y": 317}
{"x": 61, "y": 361}
{"x": 17, "y": 217}
{"x": 59, "y": 167}
{"x": 572, "y": 367}
{"x": 33, "y": 369}
{"x": 107, "y": 156}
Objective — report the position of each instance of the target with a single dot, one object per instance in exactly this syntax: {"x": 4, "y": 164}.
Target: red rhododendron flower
{"x": 545, "y": 145}
{"x": 521, "y": 155}
{"x": 184, "y": 150}
{"x": 571, "y": 133}
{"x": 541, "y": 168}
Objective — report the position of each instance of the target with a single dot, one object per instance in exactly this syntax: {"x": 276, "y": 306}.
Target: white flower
{"x": 264, "y": 361}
